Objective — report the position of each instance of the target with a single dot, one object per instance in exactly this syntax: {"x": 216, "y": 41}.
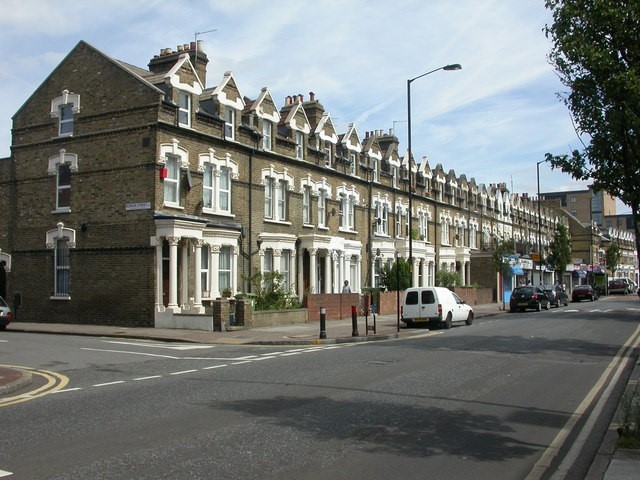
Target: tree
{"x": 596, "y": 52}
{"x": 560, "y": 249}
{"x": 501, "y": 255}
{"x": 389, "y": 275}
{"x": 612, "y": 257}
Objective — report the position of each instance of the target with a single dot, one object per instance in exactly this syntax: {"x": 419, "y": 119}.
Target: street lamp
{"x": 453, "y": 66}
{"x": 539, "y": 223}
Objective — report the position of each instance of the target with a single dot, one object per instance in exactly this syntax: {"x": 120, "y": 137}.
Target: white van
{"x": 434, "y": 305}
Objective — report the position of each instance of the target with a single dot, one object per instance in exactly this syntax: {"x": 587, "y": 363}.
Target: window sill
{"x": 62, "y": 210}
{"x": 308, "y": 225}
{"x": 169, "y": 205}
{"x": 210, "y": 211}
{"x": 278, "y": 222}
{"x": 346, "y": 230}
{"x": 60, "y": 297}
{"x": 323, "y": 228}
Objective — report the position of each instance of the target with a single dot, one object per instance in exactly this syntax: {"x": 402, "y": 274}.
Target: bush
{"x": 629, "y": 429}
{"x": 445, "y": 278}
{"x": 271, "y": 293}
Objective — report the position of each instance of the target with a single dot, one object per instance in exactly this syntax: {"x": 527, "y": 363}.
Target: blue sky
{"x": 492, "y": 120}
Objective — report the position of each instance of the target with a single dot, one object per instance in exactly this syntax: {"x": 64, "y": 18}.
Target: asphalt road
{"x": 511, "y": 397}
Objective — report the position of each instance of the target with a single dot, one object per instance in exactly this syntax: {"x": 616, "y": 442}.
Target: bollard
{"x": 354, "y": 321}
{"x": 323, "y": 322}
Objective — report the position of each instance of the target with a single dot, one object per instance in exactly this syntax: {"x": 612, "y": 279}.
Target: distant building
{"x": 586, "y": 205}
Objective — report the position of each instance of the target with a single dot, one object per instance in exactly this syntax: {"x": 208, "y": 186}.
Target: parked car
{"x": 434, "y": 305}
{"x": 529, "y": 297}
{"x": 5, "y": 314}
{"x": 618, "y": 285}
{"x": 557, "y": 295}
{"x": 584, "y": 292}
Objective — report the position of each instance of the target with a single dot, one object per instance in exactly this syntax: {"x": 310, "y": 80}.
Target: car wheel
{"x": 538, "y": 307}
{"x": 512, "y": 310}
{"x": 566, "y": 303}
{"x": 469, "y": 320}
{"x": 591, "y": 298}
{"x": 448, "y": 321}
{"x": 547, "y": 306}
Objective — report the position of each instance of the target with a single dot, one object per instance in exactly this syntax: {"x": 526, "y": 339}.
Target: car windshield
{"x": 582, "y": 287}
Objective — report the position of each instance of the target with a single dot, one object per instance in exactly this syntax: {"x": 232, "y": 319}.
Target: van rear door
{"x": 420, "y": 305}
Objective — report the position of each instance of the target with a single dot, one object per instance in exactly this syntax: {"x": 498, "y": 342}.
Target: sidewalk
{"x": 609, "y": 464}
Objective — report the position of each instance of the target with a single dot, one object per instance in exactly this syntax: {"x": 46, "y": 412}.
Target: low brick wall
{"x": 270, "y": 318}
{"x": 337, "y": 305}
{"x": 475, "y": 296}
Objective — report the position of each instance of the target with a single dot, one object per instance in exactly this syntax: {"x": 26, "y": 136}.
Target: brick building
{"x": 136, "y": 195}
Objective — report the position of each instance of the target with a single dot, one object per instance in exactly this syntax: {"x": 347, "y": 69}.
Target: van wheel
{"x": 469, "y": 320}
{"x": 448, "y": 321}
{"x": 409, "y": 323}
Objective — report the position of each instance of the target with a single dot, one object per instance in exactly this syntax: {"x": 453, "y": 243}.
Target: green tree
{"x": 501, "y": 257}
{"x": 560, "y": 249}
{"x": 396, "y": 275}
{"x": 595, "y": 51}
{"x": 612, "y": 257}
{"x": 271, "y": 292}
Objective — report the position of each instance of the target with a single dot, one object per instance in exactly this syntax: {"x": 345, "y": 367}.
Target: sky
{"x": 493, "y": 120}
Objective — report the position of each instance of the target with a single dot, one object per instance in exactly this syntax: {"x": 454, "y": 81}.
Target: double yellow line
{"x": 53, "y": 383}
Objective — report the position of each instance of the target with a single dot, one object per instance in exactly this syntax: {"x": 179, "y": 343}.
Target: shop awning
{"x": 579, "y": 274}
{"x": 516, "y": 270}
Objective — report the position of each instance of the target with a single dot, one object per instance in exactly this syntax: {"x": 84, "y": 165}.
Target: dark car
{"x": 584, "y": 292}
{"x": 5, "y": 314}
{"x": 619, "y": 285}
{"x": 557, "y": 295}
{"x": 529, "y": 297}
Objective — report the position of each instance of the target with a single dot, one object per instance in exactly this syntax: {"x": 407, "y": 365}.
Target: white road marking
{"x": 240, "y": 363}
{"x": 108, "y": 383}
{"x": 131, "y": 353}
{"x": 176, "y": 346}
{"x": 4, "y": 473}
{"x": 214, "y": 366}
{"x": 183, "y": 372}
{"x": 68, "y": 390}
{"x": 147, "y": 378}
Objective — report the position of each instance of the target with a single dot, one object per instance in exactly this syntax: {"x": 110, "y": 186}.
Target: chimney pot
{"x": 312, "y": 97}
{"x": 179, "y": 48}
{"x": 194, "y": 44}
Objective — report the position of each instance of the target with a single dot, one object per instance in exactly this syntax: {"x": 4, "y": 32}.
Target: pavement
{"x": 611, "y": 463}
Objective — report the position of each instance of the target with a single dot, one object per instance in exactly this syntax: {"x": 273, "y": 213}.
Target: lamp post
{"x": 453, "y": 66}
{"x": 539, "y": 222}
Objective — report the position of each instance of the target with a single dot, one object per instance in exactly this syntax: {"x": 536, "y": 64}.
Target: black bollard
{"x": 323, "y": 322}
{"x": 354, "y": 321}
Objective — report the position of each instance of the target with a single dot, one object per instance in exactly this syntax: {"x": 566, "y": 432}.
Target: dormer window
{"x": 229, "y": 121}
{"x": 327, "y": 152}
{"x": 299, "y": 145}
{"x": 267, "y": 128}
{"x": 184, "y": 109}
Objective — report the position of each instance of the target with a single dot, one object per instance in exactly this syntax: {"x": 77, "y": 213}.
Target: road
{"x": 512, "y": 397}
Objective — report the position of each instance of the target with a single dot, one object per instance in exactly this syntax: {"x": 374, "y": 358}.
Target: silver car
{"x": 5, "y": 314}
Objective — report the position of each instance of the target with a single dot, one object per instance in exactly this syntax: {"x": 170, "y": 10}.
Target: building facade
{"x": 138, "y": 194}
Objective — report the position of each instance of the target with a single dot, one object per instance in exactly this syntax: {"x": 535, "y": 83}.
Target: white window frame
{"x": 224, "y": 273}
{"x": 267, "y": 134}
{"x": 323, "y": 194}
{"x": 171, "y": 182}
{"x": 399, "y": 221}
{"x": 184, "y": 108}
{"x": 205, "y": 265}
{"x": 61, "y": 240}
{"x": 276, "y": 196}
{"x": 306, "y": 204}
{"x": 221, "y": 170}
{"x": 285, "y": 268}
{"x": 64, "y": 108}
{"x": 229, "y": 123}
{"x": 69, "y": 160}
{"x": 208, "y": 189}
{"x": 299, "y": 139}
{"x": 353, "y": 160}
{"x": 328, "y": 149}
{"x": 63, "y": 190}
